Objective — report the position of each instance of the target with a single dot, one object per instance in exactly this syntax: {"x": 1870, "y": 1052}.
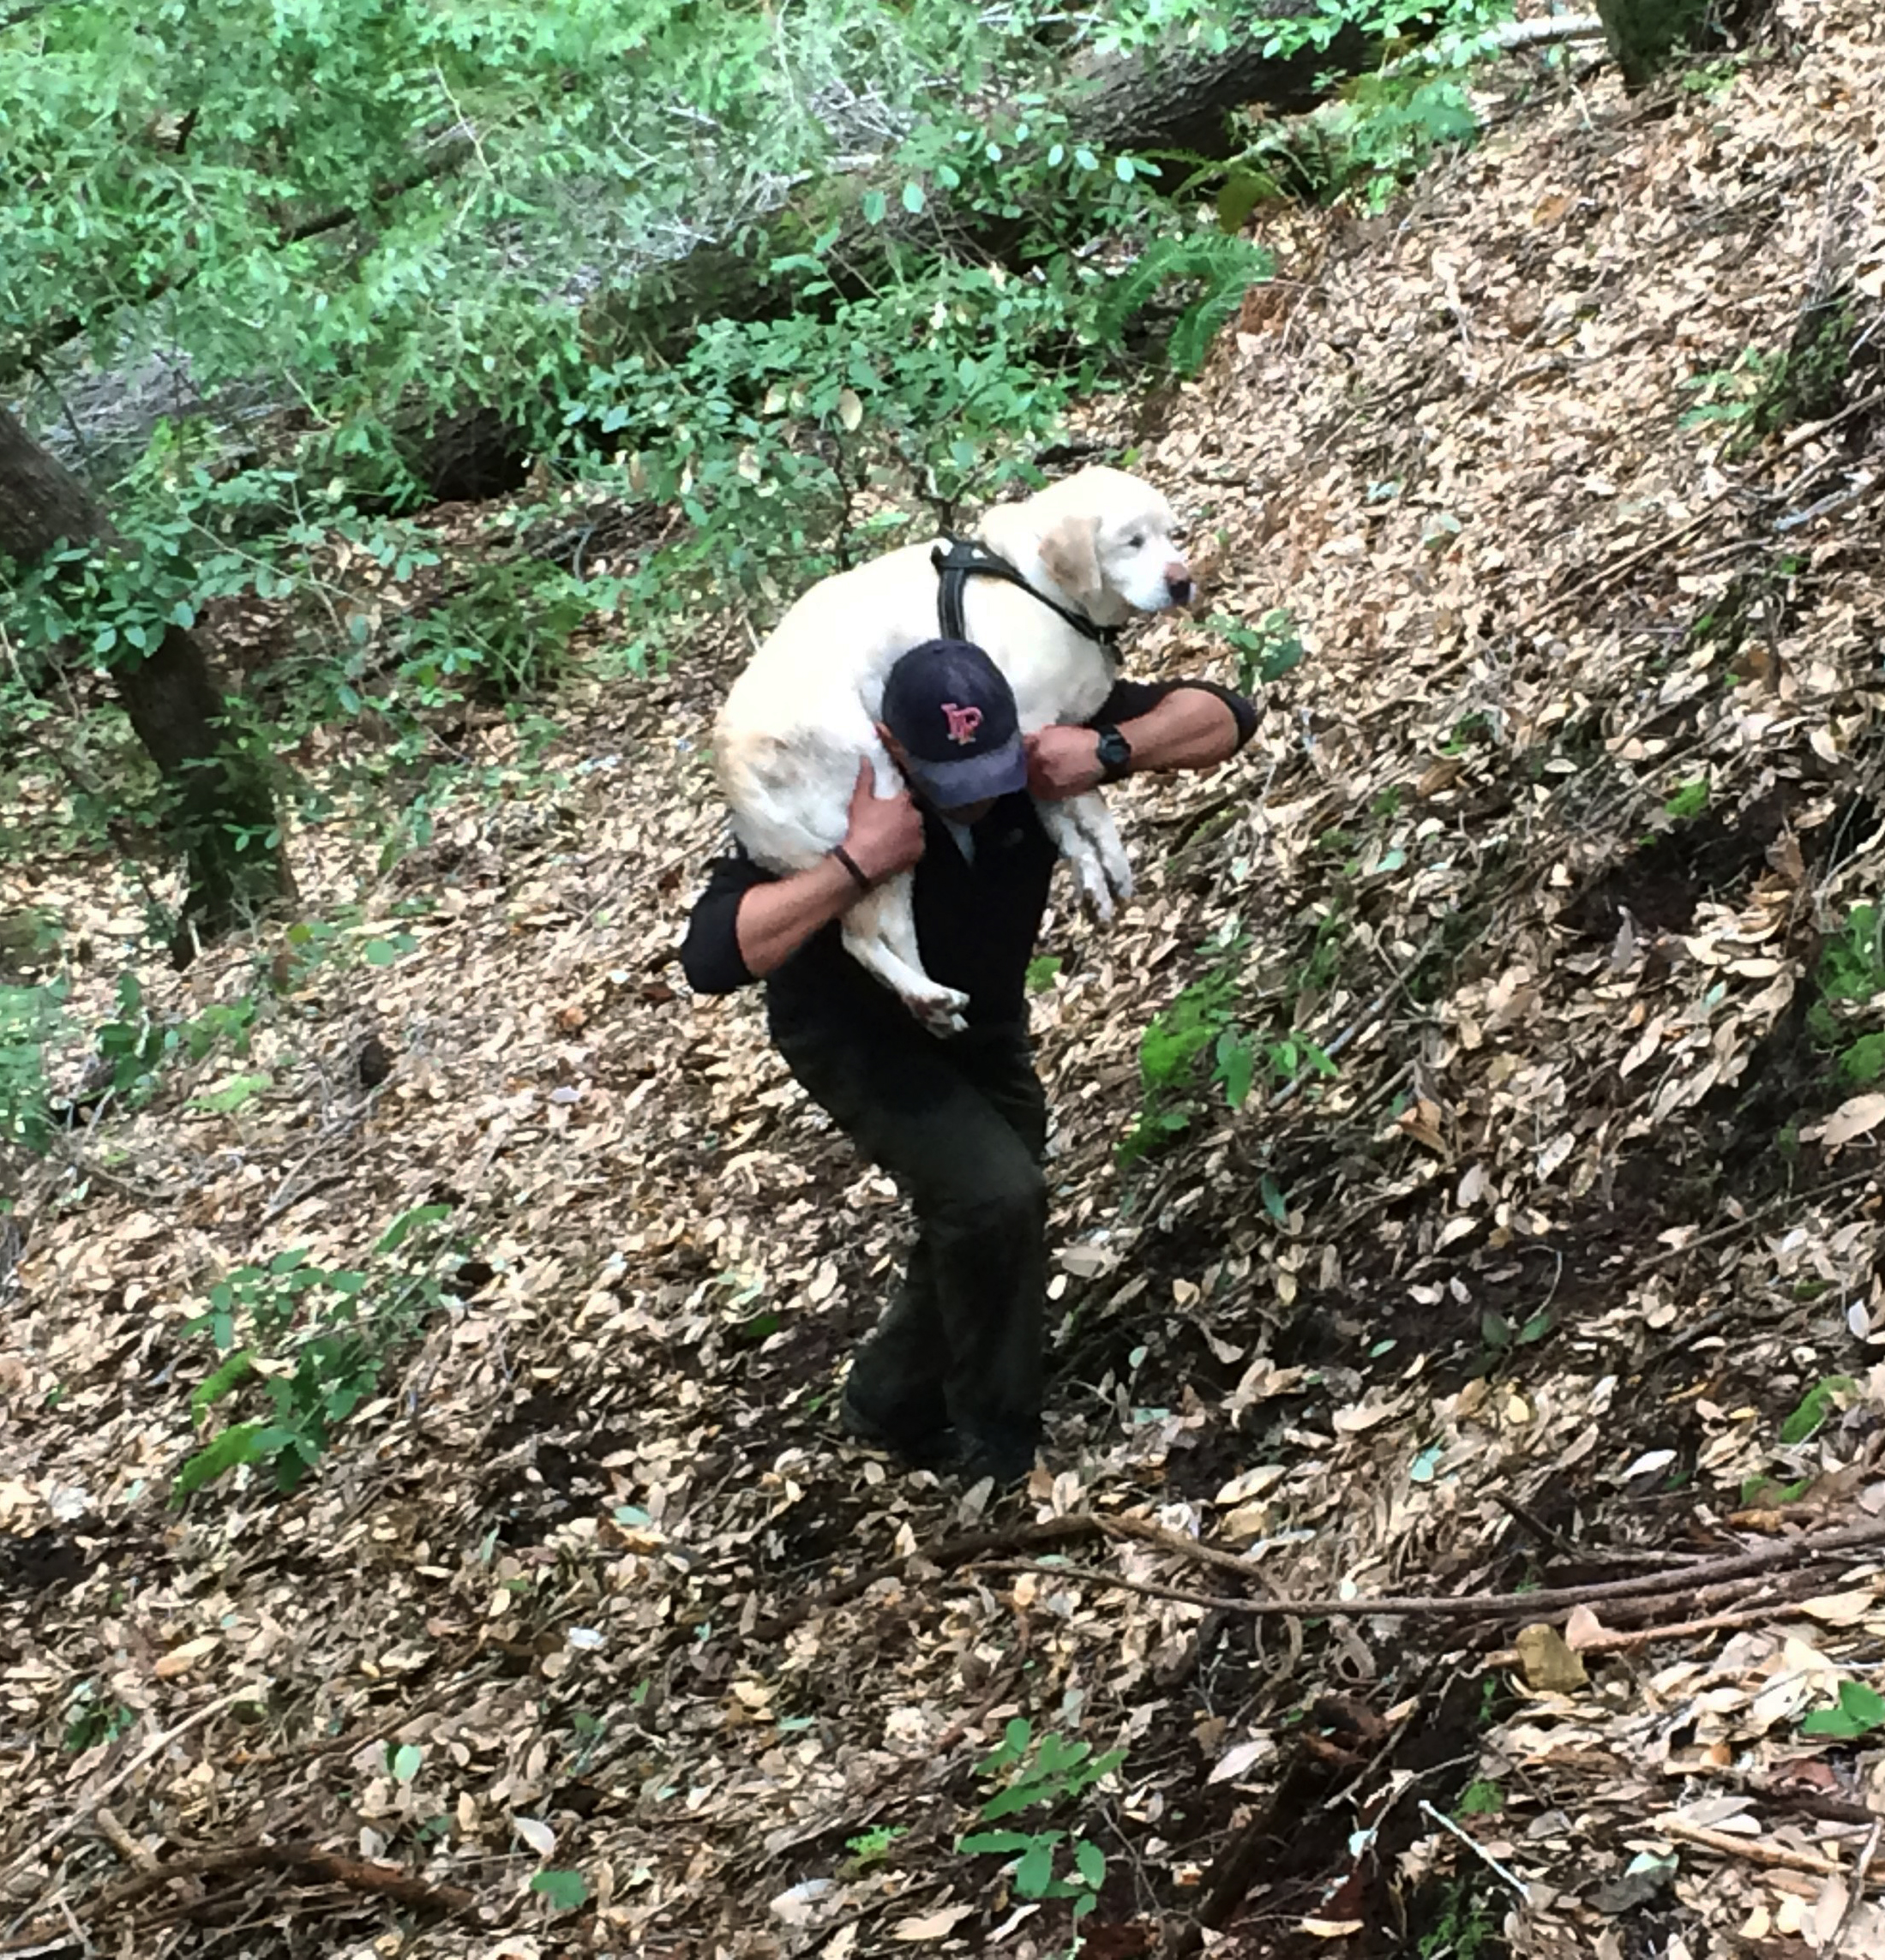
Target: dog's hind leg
{"x": 879, "y": 933}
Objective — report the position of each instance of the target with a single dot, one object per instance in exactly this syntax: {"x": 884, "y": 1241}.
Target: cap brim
{"x": 975, "y": 778}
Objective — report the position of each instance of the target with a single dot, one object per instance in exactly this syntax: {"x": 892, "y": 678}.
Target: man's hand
{"x": 886, "y": 832}
{"x": 1062, "y": 761}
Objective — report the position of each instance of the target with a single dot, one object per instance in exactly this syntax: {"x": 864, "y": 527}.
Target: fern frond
{"x": 1224, "y": 268}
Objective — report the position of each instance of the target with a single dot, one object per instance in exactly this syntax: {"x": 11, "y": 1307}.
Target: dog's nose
{"x": 1178, "y": 582}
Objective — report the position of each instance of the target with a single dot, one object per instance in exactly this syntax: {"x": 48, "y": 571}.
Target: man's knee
{"x": 1006, "y": 1199}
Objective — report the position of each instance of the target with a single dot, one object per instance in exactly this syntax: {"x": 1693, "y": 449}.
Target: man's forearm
{"x": 1188, "y": 730}
{"x": 774, "y": 921}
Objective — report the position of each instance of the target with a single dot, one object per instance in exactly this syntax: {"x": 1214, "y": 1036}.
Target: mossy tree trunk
{"x": 221, "y": 800}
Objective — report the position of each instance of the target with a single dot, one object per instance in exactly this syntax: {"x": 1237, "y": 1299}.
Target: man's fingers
{"x": 866, "y": 784}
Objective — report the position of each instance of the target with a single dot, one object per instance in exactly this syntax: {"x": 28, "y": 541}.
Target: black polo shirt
{"x": 978, "y": 910}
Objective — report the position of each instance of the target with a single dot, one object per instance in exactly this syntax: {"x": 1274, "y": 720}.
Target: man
{"x": 951, "y": 1377}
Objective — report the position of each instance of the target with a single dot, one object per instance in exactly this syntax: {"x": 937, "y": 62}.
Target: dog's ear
{"x": 1071, "y": 553}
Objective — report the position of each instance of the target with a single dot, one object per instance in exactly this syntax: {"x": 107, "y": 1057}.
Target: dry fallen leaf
{"x": 1859, "y": 1116}
{"x": 932, "y": 1926}
{"x": 536, "y": 1834}
{"x": 1551, "y": 1667}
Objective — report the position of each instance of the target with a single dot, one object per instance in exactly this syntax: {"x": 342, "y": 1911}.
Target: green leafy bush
{"x": 312, "y": 1342}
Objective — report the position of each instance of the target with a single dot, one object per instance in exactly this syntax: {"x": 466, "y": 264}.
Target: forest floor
{"x": 1467, "y": 1482}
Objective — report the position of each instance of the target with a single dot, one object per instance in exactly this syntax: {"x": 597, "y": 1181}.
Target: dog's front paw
{"x": 940, "y": 1012}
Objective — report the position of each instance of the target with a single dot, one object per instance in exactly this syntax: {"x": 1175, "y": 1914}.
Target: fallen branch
{"x": 1809, "y": 1799}
{"x": 1631, "y": 1639}
{"x": 1307, "y": 1786}
{"x": 1755, "y": 1850}
{"x": 304, "y": 1860}
{"x": 91, "y": 1805}
{"x": 1687, "y": 1581}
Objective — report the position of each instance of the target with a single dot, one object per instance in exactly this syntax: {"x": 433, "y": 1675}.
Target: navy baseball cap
{"x": 954, "y": 712}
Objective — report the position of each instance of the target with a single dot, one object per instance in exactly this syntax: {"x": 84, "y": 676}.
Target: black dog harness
{"x": 962, "y": 558}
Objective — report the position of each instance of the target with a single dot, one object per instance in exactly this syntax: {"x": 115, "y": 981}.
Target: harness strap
{"x": 962, "y": 558}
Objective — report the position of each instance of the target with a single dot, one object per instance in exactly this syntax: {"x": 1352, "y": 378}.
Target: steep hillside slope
{"x": 1558, "y": 842}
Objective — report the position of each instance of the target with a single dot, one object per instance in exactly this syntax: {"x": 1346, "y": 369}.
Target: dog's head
{"x": 1106, "y": 540}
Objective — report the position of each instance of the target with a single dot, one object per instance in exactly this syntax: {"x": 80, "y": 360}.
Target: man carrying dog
{"x": 952, "y": 1376}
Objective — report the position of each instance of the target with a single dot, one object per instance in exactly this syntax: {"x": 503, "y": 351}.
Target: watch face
{"x": 1115, "y": 751}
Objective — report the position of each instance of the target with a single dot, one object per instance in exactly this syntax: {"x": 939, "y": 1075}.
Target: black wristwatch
{"x": 1115, "y": 753}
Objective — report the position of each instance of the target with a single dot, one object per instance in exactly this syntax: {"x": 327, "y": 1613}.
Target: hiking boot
{"x": 1004, "y": 1455}
{"x": 924, "y": 1446}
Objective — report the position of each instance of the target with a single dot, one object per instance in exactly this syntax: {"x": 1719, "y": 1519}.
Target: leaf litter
{"x": 589, "y": 1631}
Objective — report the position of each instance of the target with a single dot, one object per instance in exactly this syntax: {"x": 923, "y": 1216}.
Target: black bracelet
{"x": 850, "y": 865}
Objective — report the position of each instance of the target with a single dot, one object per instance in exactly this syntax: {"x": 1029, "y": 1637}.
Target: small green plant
{"x": 1042, "y": 971}
{"x": 1816, "y": 1405}
{"x": 1861, "y": 1711}
{"x": 136, "y": 1047}
{"x": 1041, "y": 1774}
{"x": 30, "y": 1019}
{"x": 1499, "y": 1334}
{"x": 1467, "y": 731}
{"x": 1266, "y": 651}
{"x": 316, "y": 942}
{"x": 564, "y": 1891}
{"x": 1466, "y": 1929}
{"x": 313, "y": 1341}
{"x": 91, "y": 1718}
{"x": 872, "y": 1847}
{"x": 1201, "y": 1026}
{"x": 1732, "y": 394}
{"x": 1851, "y": 974}
{"x": 1482, "y": 1798}
{"x": 1390, "y": 125}
{"x": 1200, "y": 1018}
{"x": 503, "y": 634}
{"x": 1689, "y": 801}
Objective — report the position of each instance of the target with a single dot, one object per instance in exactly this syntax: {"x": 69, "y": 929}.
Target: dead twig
{"x": 90, "y": 1807}
{"x": 1755, "y": 1850}
{"x": 124, "y": 1843}
{"x": 1137, "y": 1530}
{"x": 1631, "y": 1639}
{"x": 1473, "y": 1844}
{"x": 386, "y": 1882}
{"x": 1539, "y": 1529}
{"x": 1682, "y": 1582}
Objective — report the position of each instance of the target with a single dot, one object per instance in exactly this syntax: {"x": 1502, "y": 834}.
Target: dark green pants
{"x": 961, "y": 1125}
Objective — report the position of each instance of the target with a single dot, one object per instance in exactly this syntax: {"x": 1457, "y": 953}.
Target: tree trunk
{"x": 1184, "y": 100}
{"x": 1644, "y": 34}
{"x": 222, "y": 805}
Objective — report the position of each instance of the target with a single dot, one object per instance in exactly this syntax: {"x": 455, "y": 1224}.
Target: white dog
{"x": 1086, "y": 553}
